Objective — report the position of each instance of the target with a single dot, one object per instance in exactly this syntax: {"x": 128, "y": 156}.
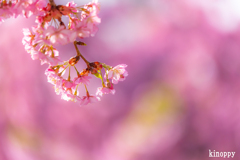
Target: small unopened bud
{"x": 99, "y": 65}
{"x": 96, "y": 65}
{"x": 84, "y": 72}
{"x": 73, "y": 60}
{"x": 93, "y": 71}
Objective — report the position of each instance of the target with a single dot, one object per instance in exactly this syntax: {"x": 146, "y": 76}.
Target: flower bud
{"x": 93, "y": 71}
{"x": 96, "y": 65}
{"x": 84, "y": 72}
{"x": 73, "y": 60}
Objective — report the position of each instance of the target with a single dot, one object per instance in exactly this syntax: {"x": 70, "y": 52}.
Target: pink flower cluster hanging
{"x": 41, "y": 40}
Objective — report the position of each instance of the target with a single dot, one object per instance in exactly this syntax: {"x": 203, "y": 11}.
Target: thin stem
{"x": 86, "y": 90}
{"x": 69, "y": 77}
{"x": 106, "y": 73}
{"x": 52, "y": 55}
{"x": 76, "y": 71}
{"x": 63, "y": 70}
{"x": 84, "y": 60}
{"x": 55, "y": 23}
{"x": 75, "y": 45}
{"x": 79, "y": 54}
{"x": 102, "y": 79}
{"x": 75, "y": 93}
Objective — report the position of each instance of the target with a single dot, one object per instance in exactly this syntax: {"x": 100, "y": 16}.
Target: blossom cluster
{"x": 25, "y": 8}
{"x": 41, "y": 40}
{"x": 68, "y": 88}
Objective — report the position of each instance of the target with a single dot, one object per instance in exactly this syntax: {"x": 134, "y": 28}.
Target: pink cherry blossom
{"x": 108, "y": 88}
{"x": 117, "y": 73}
{"x": 88, "y": 99}
{"x": 7, "y": 11}
{"x": 50, "y": 56}
{"x": 58, "y": 85}
{"x": 60, "y": 36}
{"x": 52, "y": 61}
{"x": 86, "y": 26}
{"x": 28, "y": 37}
{"x": 73, "y": 6}
{"x": 53, "y": 75}
{"x": 67, "y": 84}
{"x": 41, "y": 39}
{"x": 50, "y": 71}
{"x": 84, "y": 79}
{"x": 69, "y": 95}
{"x": 73, "y": 23}
{"x": 70, "y": 8}
{"x": 21, "y": 7}
{"x": 35, "y": 54}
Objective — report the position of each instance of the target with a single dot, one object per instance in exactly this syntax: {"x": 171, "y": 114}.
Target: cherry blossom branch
{"x": 41, "y": 41}
{"x": 79, "y": 54}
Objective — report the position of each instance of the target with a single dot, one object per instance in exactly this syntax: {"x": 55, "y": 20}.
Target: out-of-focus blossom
{"x": 181, "y": 100}
{"x": 106, "y": 89}
{"x": 88, "y": 99}
{"x": 20, "y": 7}
{"x": 83, "y": 79}
{"x": 60, "y": 36}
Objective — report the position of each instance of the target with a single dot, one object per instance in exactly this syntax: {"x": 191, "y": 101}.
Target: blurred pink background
{"x": 181, "y": 97}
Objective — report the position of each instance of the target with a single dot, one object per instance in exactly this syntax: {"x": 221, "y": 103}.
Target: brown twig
{"x": 79, "y": 54}
{"x": 52, "y": 3}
